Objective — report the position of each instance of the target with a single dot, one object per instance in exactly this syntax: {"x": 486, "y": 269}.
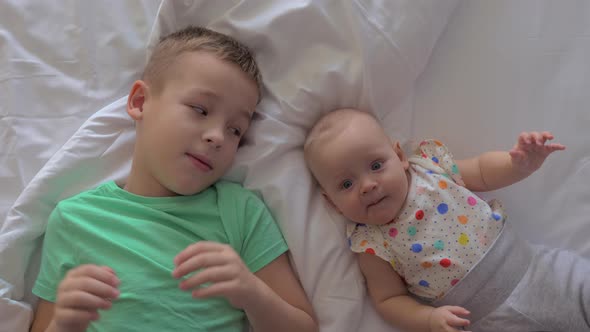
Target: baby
{"x": 432, "y": 252}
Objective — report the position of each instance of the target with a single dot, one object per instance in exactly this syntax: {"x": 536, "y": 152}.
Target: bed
{"x": 473, "y": 74}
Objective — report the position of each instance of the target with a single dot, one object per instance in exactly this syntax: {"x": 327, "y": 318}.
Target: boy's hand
{"x": 446, "y": 319}
{"x": 218, "y": 264}
{"x": 530, "y": 151}
{"x": 84, "y": 290}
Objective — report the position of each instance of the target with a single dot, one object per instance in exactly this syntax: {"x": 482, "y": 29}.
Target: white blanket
{"x": 501, "y": 67}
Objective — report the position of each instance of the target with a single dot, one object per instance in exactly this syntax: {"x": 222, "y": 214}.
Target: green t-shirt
{"x": 140, "y": 236}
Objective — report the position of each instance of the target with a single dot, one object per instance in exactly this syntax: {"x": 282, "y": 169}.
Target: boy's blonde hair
{"x": 191, "y": 39}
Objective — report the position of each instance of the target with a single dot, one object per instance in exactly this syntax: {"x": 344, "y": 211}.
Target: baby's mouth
{"x": 377, "y": 201}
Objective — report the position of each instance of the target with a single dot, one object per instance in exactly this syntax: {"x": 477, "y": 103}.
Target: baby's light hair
{"x": 326, "y": 128}
{"x": 191, "y": 39}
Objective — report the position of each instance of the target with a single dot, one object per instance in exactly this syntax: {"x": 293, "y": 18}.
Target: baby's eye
{"x": 200, "y": 110}
{"x": 236, "y": 131}
{"x": 346, "y": 184}
{"x": 376, "y": 166}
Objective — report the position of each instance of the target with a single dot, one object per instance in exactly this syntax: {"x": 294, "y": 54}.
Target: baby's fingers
{"x": 554, "y": 147}
{"x": 458, "y": 310}
{"x": 537, "y": 138}
{"x": 547, "y": 135}
{"x": 457, "y": 321}
{"x": 517, "y": 155}
{"x": 524, "y": 138}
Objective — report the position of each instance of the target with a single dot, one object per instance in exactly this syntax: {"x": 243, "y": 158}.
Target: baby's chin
{"x": 378, "y": 220}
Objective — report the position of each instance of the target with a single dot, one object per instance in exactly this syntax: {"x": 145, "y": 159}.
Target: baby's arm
{"x": 498, "y": 169}
{"x": 397, "y": 307}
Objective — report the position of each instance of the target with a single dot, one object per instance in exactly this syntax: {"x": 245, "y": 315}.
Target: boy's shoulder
{"x": 84, "y": 197}
{"x": 234, "y": 189}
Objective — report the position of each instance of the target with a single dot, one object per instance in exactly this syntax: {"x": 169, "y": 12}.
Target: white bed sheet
{"x": 501, "y": 67}
{"x": 61, "y": 61}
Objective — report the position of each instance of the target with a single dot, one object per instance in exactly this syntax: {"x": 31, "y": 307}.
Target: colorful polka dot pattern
{"x": 441, "y": 231}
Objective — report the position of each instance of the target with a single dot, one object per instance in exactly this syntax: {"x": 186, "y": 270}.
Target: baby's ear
{"x": 330, "y": 203}
{"x": 401, "y": 154}
{"x": 136, "y": 99}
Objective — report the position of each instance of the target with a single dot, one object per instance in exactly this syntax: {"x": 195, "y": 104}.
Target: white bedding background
{"x": 60, "y": 62}
{"x": 500, "y": 67}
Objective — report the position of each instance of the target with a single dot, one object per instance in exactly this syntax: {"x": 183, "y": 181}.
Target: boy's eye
{"x": 376, "y": 166}
{"x": 346, "y": 184}
{"x": 200, "y": 110}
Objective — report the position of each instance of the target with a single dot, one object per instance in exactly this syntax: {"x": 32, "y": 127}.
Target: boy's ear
{"x": 330, "y": 203}
{"x": 136, "y": 99}
{"x": 401, "y": 155}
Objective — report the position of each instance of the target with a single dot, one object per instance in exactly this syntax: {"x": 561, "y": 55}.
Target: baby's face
{"x": 362, "y": 173}
{"x": 189, "y": 133}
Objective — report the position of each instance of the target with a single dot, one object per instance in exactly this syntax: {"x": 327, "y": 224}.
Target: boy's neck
{"x": 142, "y": 183}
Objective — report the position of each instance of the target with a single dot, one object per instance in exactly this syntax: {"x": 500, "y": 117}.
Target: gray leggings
{"x": 520, "y": 287}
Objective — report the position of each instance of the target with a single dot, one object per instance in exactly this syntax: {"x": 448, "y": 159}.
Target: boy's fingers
{"x": 74, "y": 316}
{"x": 91, "y": 286}
{"x": 213, "y": 274}
{"x": 83, "y": 301}
{"x": 108, "y": 269}
{"x": 217, "y": 289}
{"x": 199, "y": 261}
{"x": 95, "y": 272}
{"x": 197, "y": 248}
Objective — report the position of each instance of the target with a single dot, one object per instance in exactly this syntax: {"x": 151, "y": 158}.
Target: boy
{"x": 128, "y": 258}
{"x": 432, "y": 252}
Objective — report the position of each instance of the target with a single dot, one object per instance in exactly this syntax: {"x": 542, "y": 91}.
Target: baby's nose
{"x": 368, "y": 186}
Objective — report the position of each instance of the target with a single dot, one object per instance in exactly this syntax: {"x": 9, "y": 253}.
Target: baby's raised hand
{"x": 446, "y": 319}
{"x": 84, "y": 290}
{"x": 218, "y": 264}
{"x": 530, "y": 151}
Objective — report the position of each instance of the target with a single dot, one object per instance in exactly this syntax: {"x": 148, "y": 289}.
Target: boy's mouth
{"x": 200, "y": 162}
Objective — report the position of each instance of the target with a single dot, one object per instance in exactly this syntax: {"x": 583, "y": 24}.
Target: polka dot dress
{"x": 440, "y": 233}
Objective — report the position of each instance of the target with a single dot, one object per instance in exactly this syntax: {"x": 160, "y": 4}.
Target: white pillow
{"x": 314, "y": 57}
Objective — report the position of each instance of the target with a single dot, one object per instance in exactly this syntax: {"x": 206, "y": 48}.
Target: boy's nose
{"x": 214, "y": 137}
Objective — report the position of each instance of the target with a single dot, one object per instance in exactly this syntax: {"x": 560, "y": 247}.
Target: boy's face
{"x": 188, "y": 134}
{"x": 362, "y": 174}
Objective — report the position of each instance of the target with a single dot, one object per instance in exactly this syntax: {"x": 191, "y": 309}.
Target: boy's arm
{"x": 282, "y": 304}
{"x": 498, "y": 169}
{"x": 397, "y": 307}
{"x": 43, "y": 316}
{"x": 80, "y": 295}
